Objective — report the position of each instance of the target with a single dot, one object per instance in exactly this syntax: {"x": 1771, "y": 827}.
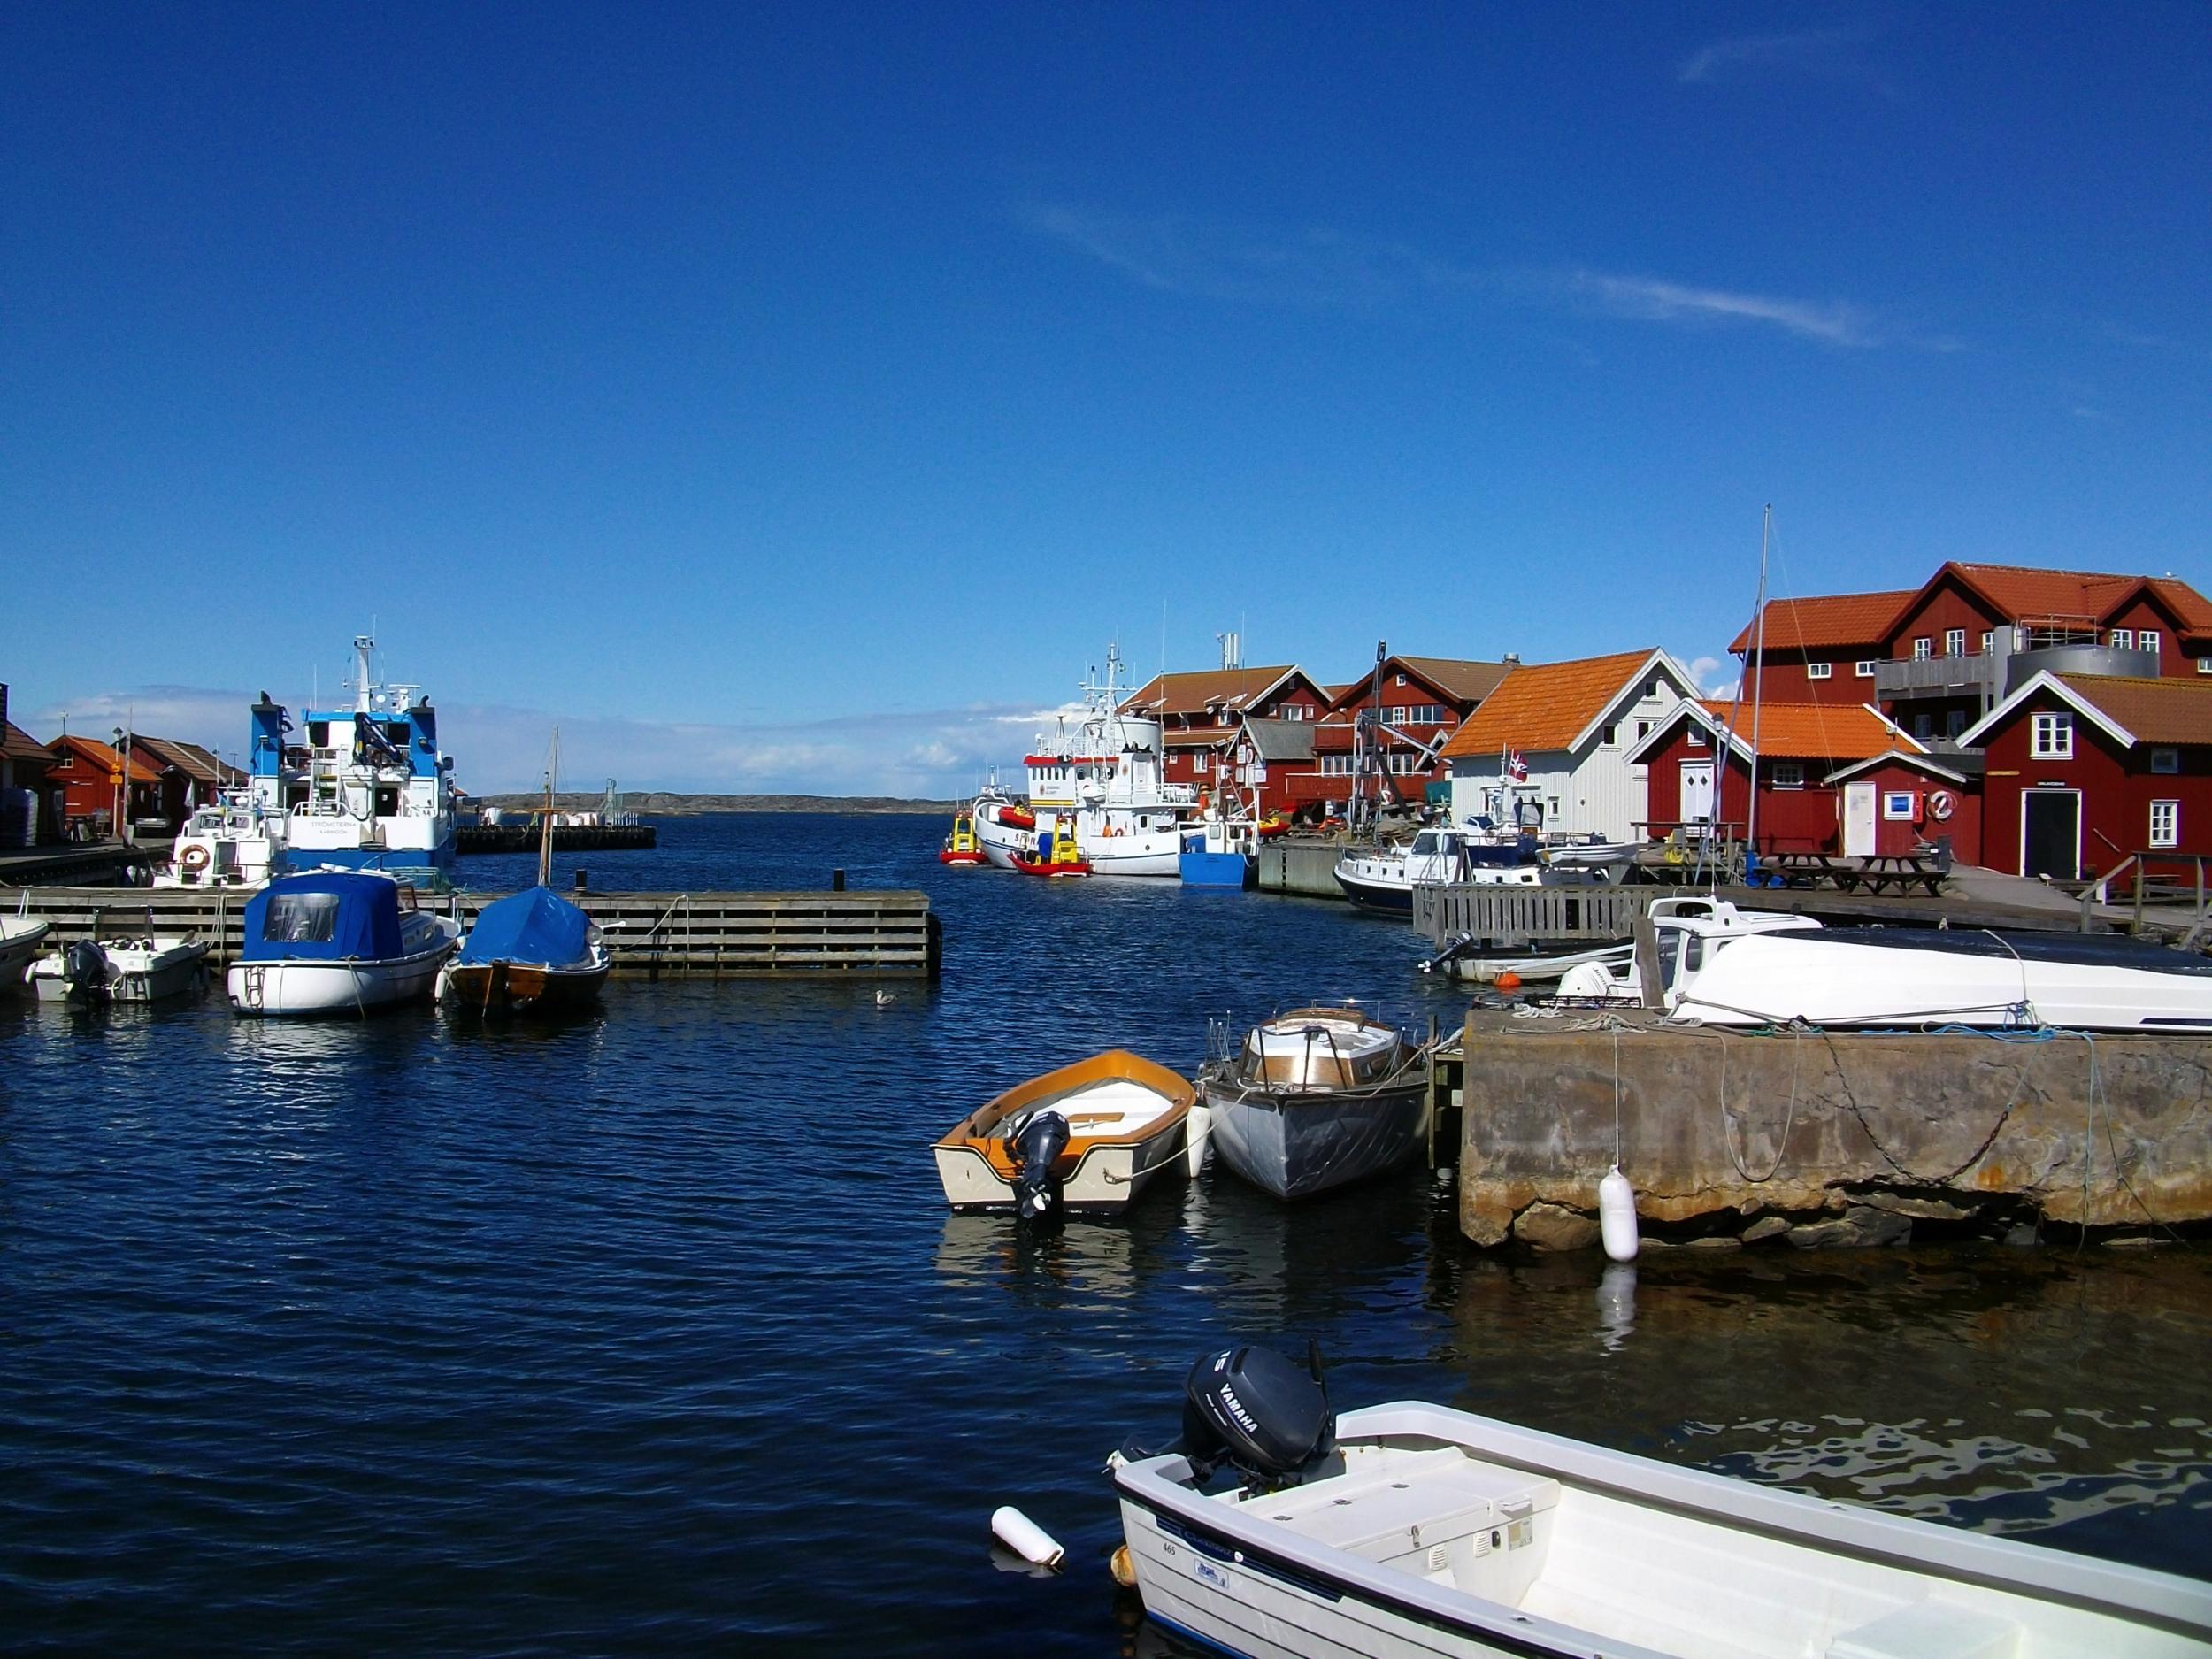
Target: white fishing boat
{"x": 1978, "y": 977}
{"x": 1411, "y": 1529}
{"x": 121, "y": 966}
{"x": 20, "y": 938}
{"x": 1382, "y": 877}
{"x": 337, "y": 941}
{"x": 1099, "y": 776}
{"x": 233, "y": 841}
{"x": 1089, "y": 1136}
{"x": 1316, "y": 1099}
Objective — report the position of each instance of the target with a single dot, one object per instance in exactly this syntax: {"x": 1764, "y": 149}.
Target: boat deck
{"x": 1100, "y": 1111}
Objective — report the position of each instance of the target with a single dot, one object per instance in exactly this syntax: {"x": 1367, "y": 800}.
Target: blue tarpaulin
{"x": 328, "y": 915}
{"x": 536, "y": 926}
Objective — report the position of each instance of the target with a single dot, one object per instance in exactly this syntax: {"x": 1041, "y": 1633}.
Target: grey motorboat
{"x": 1315, "y": 1098}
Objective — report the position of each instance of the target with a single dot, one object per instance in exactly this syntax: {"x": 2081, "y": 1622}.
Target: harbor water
{"x": 651, "y": 1333}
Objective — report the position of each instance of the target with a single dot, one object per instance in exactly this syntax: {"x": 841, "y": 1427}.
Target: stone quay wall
{"x": 1826, "y": 1138}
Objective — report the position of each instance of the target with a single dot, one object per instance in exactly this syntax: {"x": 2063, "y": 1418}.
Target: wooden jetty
{"x": 888, "y": 935}
{"x": 68, "y": 862}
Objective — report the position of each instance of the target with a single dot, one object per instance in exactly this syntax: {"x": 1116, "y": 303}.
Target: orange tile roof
{"x": 1545, "y": 705}
{"x": 1817, "y": 731}
{"x": 103, "y": 755}
{"x": 1828, "y": 619}
{"x": 2191, "y": 608}
{"x": 2025, "y": 593}
{"x": 2157, "y": 710}
{"x": 1194, "y": 693}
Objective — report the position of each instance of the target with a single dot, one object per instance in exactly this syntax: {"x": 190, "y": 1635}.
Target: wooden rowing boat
{"x": 1124, "y": 1119}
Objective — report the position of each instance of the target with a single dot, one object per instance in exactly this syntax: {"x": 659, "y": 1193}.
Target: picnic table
{"x": 1904, "y": 871}
{"x": 1807, "y": 870}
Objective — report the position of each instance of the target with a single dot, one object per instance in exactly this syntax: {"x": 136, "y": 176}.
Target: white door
{"x": 1858, "y": 820}
{"x": 1697, "y": 794}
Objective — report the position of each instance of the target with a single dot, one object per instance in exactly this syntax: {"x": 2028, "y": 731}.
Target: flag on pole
{"x": 1516, "y": 767}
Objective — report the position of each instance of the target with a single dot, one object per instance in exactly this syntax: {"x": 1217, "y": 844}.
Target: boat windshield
{"x": 1426, "y": 841}
{"x": 302, "y": 918}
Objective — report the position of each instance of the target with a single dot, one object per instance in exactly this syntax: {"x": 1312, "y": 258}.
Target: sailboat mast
{"x": 545, "y": 830}
{"x": 1758, "y": 672}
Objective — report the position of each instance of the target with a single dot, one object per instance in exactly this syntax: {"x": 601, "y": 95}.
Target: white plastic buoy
{"x": 1616, "y": 1216}
{"x": 1197, "y": 1136}
{"x": 1025, "y": 1537}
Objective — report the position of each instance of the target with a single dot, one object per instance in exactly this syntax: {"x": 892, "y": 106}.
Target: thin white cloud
{"x": 1831, "y": 54}
{"x": 1715, "y": 676}
{"x": 1651, "y": 299}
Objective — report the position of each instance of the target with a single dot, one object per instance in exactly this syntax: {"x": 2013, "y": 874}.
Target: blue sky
{"x": 802, "y": 396}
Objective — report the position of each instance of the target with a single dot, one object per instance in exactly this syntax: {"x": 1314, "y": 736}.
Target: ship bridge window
{"x": 302, "y": 918}
{"x": 1425, "y": 841}
{"x": 319, "y": 733}
{"x": 398, "y": 733}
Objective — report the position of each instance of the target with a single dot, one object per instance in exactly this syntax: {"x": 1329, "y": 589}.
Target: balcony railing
{"x": 1939, "y": 676}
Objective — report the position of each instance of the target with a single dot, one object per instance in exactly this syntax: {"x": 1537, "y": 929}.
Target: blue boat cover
{"x": 326, "y": 916}
{"x": 536, "y": 926}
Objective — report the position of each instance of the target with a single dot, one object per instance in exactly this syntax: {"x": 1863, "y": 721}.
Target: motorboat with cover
{"x": 1978, "y": 977}
{"x": 19, "y": 940}
{"x": 1276, "y": 1527}
{"x": 1086, "y": 1137}
{"x": 111, "y": 966}
{"x": 530, "y": 951}
{"x": 337, "y": 941}
{"x": 1317, "y": 1098}
{"x": 1689, "y": 933}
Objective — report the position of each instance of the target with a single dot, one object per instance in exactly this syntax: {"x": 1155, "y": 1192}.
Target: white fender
{"x": 1616, "y": 1216}
{"x": 1025, "y": 1537}
{"x": 1198, "y": 1133}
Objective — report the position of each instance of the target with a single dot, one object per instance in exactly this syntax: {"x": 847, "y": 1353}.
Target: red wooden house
{"x": 2083, "y": 772}
{"x": 1419, "y": 703}
{"x": 1823, "y": 649}
{"x": 1698, "y": 771}
{"x": 1200, "y": 714}
{"x": 91, "y": 777}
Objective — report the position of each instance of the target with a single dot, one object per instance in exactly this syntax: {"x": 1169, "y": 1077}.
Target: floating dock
{"x": 887, "y": 934}
{"x": 1825, "y": 1138}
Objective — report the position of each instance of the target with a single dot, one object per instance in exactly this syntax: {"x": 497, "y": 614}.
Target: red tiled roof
{"x": 1195, "y": 693}
{"x": 18, "y": 744}
{"x": 1545, "y": 705}
{"x": 2025, "y": 593}
{"x": 104, "y": 757}
{"x": 2157, "y": 710}
{"x": 1828, "y": 620}
{"x": 1815, "y": 731}
{"x": 2191, "y": 609}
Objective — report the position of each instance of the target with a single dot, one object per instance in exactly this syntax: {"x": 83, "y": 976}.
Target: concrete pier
{"x": 1820, "y": 1138}
{"x": 1301, "y": 865}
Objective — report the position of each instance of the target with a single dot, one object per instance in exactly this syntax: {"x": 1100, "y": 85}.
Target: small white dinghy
{"x": 113, "y": 966}
{"x": 1412, "y": 1529}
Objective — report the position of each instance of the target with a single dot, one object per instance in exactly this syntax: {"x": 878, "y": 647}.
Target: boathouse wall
{"x": 1800, "y": 820}
{"x": 1895, "y": 838}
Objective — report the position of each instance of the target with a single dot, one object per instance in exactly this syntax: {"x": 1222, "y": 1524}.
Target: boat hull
{"x": 306, "y": 989}
{"x": 1296, "y": 1142}
{"x": 1106, "y": 1178}
{"x": 1369, "y": 893}
{"x": 1130, "y": 1120}
{"x": 1215, "y": 870}
{"x": 520, "y": 987}
{"x": 20, "y": 942}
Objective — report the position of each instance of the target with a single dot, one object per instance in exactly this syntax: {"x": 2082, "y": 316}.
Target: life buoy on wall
{"x": 193, "y": 857}
{"x": 1942, "y": 804}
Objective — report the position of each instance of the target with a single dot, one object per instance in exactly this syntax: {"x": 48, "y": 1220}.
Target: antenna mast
{"x": 1758, "y": 674}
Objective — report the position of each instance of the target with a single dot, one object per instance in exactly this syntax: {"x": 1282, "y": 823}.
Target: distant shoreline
{"x": 666, "y": 803}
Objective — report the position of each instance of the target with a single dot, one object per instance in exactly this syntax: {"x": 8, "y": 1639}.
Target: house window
{"x": 1643, "y": 729}
{"x": 2165, "y": 823}
{"x": 1787, "y": 774}
{"x": 1922, "y": 649}
{"x": 1924, "y": 726}
{"x": 1864, "y": 668}
{"x": 1697, "y": 737}
{"x": 2148, "y": 639}
{"x": 2166, "y": 760}
{"x": 1989, "y": 640}
{"x": 1820, "y": 671}
{"x": 2052, "y": 737}
{"x": 1897, "y": 804}
{"x": 1954, "y": 642}
{"x": 1612, "y": 738}
{"x": 2124, "y": 639}
{"x": 1954, "y": 723}
{"x": 2204, "y": 664}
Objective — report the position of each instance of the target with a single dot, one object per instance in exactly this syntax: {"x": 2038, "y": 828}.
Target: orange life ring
{"x": 193, "y": 857}
{"x": 1942, "y": 804}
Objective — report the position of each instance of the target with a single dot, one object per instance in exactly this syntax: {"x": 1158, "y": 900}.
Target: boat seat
{"x": 1929, "y": 1630}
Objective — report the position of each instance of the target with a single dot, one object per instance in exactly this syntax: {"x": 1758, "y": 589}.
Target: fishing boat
{"x": 1219, "y": 852}
{"x": 121, "y": 966}
{"x": 1978, "y": 977}
{"x": 960, "y": 848}
{"x": 1089, "y": 1136}
{"x": 1099, "y": 778}
{"x": 1280, "y": 1528}
{"x": 232, "y": 842}
{"x": 1382, "y": 878}
{"x": 20, "y": 938}
{"x": 1315, "y": 1099}
{"x": 337, "y": 941}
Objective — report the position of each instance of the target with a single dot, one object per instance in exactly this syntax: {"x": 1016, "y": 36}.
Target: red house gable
{"x": 1814, "y": 648}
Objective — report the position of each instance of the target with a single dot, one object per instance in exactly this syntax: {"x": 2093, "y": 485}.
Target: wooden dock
{"x": 887, "y": 934}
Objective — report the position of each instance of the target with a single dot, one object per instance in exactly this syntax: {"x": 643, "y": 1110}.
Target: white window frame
{"x": 1922, "y": 649}
{"x": 2169, "y": 834}
{"x": 1787, "y": 774}
{"x": 1898, "y": 805}
{"x": 2166, "y": 761}
{"x": 1697, "y": 736}
{"x": 2051, "y": 736}
{"x": 1864, "y": 667}
{"x": 1820, "y": 671}
{"x": 1954, "y": 642}
{"x": 2149, "y": 639}
{"x": 1989, "y": 640}
{"x": 2124, "y": 639}
{"x": 2204, "y": 664}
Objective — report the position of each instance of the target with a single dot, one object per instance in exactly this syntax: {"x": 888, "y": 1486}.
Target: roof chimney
{"x": 1511, "y": 659}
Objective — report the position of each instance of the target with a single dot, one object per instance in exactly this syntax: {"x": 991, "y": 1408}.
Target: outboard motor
{"x": 1262, "y": 1414}
{"x": 1037, "y": 1147}
{"x": 84, "y": 966}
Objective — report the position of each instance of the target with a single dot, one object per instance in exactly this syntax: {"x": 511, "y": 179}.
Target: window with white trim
{"x": 2166, "y": 760}
{"x": 1787, "y": 774}
{"x": 1864, "y": 668}
{"x": 1922, "y": 649}
{"x": 1898, "y": 804}
{"x": 2124, "y": 639}
{"x": 1954, "y": 642}
{"x": 2052, "y": 737}
{"x": 2204, "y": 664}
{"x": 1989, "y": 640}
{"x": 2148, "y": 639}
{"x": 1820, "y": 671}
{"x": 2165, "y": 823}
{"x": 1697, "y": 736}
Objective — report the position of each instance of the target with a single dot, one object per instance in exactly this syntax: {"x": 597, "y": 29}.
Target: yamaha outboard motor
{"x": 1037, "y": 1147}
{"x": 84, "y": 965}
{"x": 1266, "y": 1416}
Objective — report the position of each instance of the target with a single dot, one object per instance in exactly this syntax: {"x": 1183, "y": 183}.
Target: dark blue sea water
{"x": 652, "y": 1334}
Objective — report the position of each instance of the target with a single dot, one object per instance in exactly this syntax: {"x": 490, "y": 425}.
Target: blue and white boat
{"x": 337, "y": 941}
{"x": 1220, "y": 852}
{"x": 531, "y": 951}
